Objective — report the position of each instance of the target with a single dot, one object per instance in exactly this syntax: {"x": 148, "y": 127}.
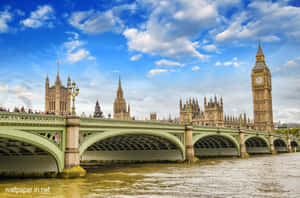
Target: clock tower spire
{"x": 262, "y": 93}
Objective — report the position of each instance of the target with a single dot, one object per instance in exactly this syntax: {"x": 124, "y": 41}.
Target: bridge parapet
{"x": 7, "y": 118}
{"x": 133, "y": 124}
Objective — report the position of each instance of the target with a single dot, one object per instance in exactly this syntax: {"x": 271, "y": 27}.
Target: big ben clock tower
{"x": 262, "y": 93}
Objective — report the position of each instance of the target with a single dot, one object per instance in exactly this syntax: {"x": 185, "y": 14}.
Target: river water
{"x": 259, "y": 176}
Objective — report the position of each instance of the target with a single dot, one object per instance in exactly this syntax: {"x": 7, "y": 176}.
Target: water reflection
{"x": 262, "y": 176}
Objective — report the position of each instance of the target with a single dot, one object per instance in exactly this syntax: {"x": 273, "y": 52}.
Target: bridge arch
{"x": 280, "y": 145}
{"x": 211, "y": 145}
{"x": 33, "y": 140}
{"x": 121, "y": 145}
{"x": 257, "y": 144}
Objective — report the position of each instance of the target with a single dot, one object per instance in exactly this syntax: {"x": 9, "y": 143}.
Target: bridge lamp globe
{"x": 77, "y": 90}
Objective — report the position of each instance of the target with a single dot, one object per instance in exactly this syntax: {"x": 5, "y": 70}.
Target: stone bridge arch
{"x": 132, "y": 145}
{"x": 31, "y": 150}
{"x": 257, "y": 144}
{"x": 280, "y": 145}
{"x": 212, "y": 145}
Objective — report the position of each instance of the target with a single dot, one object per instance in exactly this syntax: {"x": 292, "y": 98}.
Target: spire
{"x": 259, "y": 50}
{"x": 47, "y": 81}
{"x": 57, "y": 76}
{"x": 69, "y": 81}
{"x": 120, "y": 82}
{"x": 120, "y": 91}
{"x": 260, "y": 58}
{"x": 180, "y": 104}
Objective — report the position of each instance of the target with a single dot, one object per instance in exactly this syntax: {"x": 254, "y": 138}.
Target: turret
{"x": 180, "y": 104}
{"x": 120, "y": 91}
{"x": 221, "y": 101}
{"x": 69, "y": 81}
{"x": 57, "y": 81}
{"x": 47, "y": 82}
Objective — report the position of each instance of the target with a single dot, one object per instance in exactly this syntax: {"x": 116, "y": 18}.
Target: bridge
{"x": 33, "y": 143}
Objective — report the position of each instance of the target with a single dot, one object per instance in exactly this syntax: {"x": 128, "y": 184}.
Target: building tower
{"x": 57, "y": 97}
{"x": 262, "y": 93}
{"x": 98, "y": 113}
{"x": 120, "y": 110}
{"x": 213, "y": 110}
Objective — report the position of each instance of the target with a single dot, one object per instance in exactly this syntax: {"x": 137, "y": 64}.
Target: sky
{"x": 163, "y": 51}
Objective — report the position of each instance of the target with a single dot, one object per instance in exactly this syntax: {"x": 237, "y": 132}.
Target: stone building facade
{"x": 57, "y": 97}
{"x": 121, "y": 111}
{"x": 211, "y": 115}
{"x": 262, "y": 93}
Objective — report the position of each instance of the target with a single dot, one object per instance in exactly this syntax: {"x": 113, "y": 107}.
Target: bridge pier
{"x": 271, "y": 141}
{"x": 72, "y": 156}
{"x": 189, "y": 148}
{"x": 289, "y": 144}
{"x": 243, "y": 151}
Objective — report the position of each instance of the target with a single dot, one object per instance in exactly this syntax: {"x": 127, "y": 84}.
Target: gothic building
{"x": 57, "y": 97}
{"x": 262, "y": 93}
{"x": 211, "y": 115}
{"x": 98, "y": 113}
{"x": 121, "y": 111}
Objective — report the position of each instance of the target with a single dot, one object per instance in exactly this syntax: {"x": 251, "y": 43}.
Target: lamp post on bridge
{"x": 72, "y": 154}
{"x": 74, "y": 91}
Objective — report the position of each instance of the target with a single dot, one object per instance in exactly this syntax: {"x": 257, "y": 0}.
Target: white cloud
{"x": 266, "y": 20}
{"x": 195, "y": 68}
{"x": 165, "y": 62}
{"x": 234, "y": 63}
{"x": 3, "y": 87}
{"x": 290, "y": 63}
{"x": 77, "y": 56}
{"x": 145, "y": 42}
{"x": 74, "y": 49}
{"x": 228, "y": 63}
{"x": 73, "y": 44}
{"x": 95, "y": 22}
{"x": 91, "y": 58}
{"x": 210, "y": 48}
{"x": 136, "y": 57}
{"x": 5, "y": 17}
{"x": 172, "y": 27}
{"x": 44, "y": 15}
{"x": 154, "y": 72}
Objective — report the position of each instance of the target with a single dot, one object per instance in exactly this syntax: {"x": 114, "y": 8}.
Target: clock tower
{"x": 262, "y": 93}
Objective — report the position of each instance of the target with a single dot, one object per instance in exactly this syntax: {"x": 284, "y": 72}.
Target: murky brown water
{"x": 262, "y": 176}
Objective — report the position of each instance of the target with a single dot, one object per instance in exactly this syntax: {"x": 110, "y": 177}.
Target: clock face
{"x": 258, "y": 80}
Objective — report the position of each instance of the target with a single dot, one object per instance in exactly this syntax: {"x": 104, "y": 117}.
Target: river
{"x": 259, "y": 176}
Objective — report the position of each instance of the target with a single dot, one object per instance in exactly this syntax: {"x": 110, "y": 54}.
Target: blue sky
{"x": 163, "y": 50}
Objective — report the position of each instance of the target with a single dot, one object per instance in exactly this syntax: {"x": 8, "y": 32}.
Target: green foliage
{"x": 291, "y": 131}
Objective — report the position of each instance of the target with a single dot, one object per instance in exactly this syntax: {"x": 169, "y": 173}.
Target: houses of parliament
{"x": 57, "y": 101}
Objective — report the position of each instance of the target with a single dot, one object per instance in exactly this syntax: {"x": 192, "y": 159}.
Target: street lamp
{"x": 74, "y": 91}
